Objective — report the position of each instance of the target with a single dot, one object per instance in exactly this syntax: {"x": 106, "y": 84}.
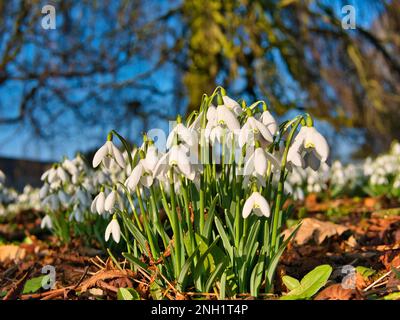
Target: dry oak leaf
{"x": 11, "y": 252}
{"x": 315, "y": 229}
{"x": 337, "y": 292}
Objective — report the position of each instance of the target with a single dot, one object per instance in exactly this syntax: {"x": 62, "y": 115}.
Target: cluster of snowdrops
{"x": 202, "y": 206}
{"x": 370, "y": 177}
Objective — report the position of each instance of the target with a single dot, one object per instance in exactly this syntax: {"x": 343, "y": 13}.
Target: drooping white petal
{"x": 227, "y": 117}
{"x": 115, "y": 230}
{"x": 110, "y": 201}
{"x": 248, "y": 207}
{"x": 178, "y": 157}
{"x": 119, "y": 158}
{"x": 134, "y": 178}
{"x": 100, "y": 203}
{"x": 146, "y": 180}
{"x": 249, "y": 166}
{"x": 151, "y": 159}
{"x": 261, "y": 203}
{"x": 244, "y": 135}
{"x": 260, "y": 161}
{"x": 212, "y": 114}
{"x": 62, "y": 174}
{"x": 232, "y": 105}
{"x": 46, "y": 223}
{"x": 185, "y": 134}
{"x": 108, "y": 231}
{"x": 269, "y": 121}
{"x": 162, "y": 166}
{"x": 294, "y": 156}
{"x": 257, "y": 126}
{"x": 320, "y": 144}
{"x": 99, "y": 155}
{"x": 94, "y": 204}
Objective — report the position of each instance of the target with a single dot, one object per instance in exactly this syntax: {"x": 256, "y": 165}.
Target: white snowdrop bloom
{"x": 139, "y": 176}
{"x": 269, "y": 121}
{"x": 46, "y": 222}
{"x": 98, "y": 203}
{"x": 52, "y": 176}
{"x": 70, "y": 167}
{"x": 221, "y": 134}
{"x": 310, "y": 141}
{"x": 106, "y": 154}
{"x": 62, "y": 175}
{"x": 294, "y": 157}
{"x": 150, "y": 161}
{"x": 258, "y": 162}
{"x": 177, "y": 159}
{"x": 113, "y": 229}
{"x": 316, "y": 141}
{"x": 257, "y": 204}
{"x": 254, "y": 130}
{"x": 227, "y": 118}
{"x": 232, "y": 105}
{"x": 182, "y": 133}
{"x": 110, "y": 201}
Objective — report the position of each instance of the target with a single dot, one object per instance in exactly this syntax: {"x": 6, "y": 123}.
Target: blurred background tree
{"x": 127, "y": 64}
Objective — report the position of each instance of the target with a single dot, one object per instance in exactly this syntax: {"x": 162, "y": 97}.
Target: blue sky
{"x": 17, "y": 141}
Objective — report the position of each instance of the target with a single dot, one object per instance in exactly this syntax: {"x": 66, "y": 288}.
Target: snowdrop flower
{"x": 257, "y": 163}
{"x": 107, "y": 153}
{"x": 254, "y": 130}
{"x": 257, "y": 204}
{"x": 232, "y": 105}
{"x": 142, "y": 173}
{"x": 98, "y": 204}
{"x": 315, "y": 146}
{"x": 182, "y": 133}
{"x": 113, "y": 229}
{"x": 62, "y": 174}
{"x": 269, "y": 121}
{"x": 110, "y": 201}
{"x": 176, "y": 159}
{"x": 46, "y": 222}
{"x": 226, "y": 117}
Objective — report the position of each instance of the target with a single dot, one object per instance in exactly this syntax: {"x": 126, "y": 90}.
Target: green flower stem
{"x": 187, "y": 212}
{"x": 130, "y": 200}
{"x": 275, "y": 218}
{"x": 157, "y": 217}
{"x": 153, "y": 249}
{"x": 201, "y": 220}
{"x": 175, "y": 224}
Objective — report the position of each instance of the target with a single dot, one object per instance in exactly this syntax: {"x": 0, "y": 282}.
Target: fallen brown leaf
{"x": 337, "y": 292}
{"x": 313, "y": 229}
{"x": 11, "y": 252}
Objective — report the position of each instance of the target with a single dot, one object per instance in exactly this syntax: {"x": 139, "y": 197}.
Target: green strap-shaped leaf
{"x": 183, "y": 276}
